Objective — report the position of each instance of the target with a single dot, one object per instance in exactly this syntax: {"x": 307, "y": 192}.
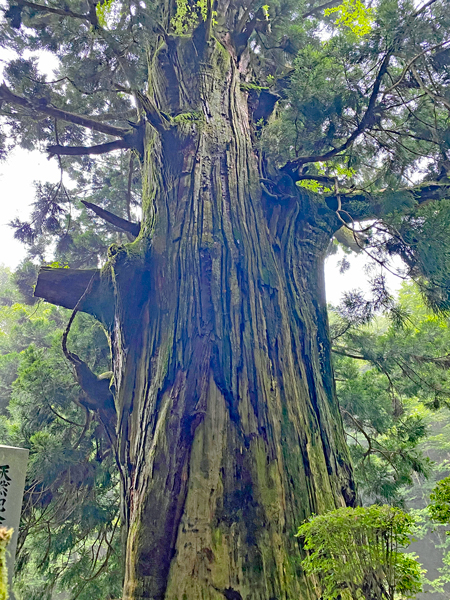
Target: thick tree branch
{"x": 91, "y": 17}
{"x": 65, "y": 287}
{"x": 366, "y": 121}
{"x": 40, "y": 105}
{"x": 133, "y": 228}
{"x": 85, "y": 150}
{"x": 320, "y": 8}
{"x": 259, "y": 22}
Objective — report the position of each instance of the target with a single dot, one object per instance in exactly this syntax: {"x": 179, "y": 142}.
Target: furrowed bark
{"x": 229, "y": 434}
{"x": 228, "y": 429}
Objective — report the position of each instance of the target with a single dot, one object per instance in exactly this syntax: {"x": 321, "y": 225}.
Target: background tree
{"x": 226, "y": 429}
{"x": 69, "y": 537}
{"x": 392, "y": 383}
{"x": 388, "y": 369}
{"x": 440, "y": 501}
{"x": 5, "y": 536}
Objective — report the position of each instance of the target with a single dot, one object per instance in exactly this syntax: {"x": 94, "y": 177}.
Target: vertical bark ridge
{"x": 230, "y": 434}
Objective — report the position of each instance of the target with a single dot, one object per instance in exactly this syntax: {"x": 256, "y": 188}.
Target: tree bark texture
{"x": 229, "y": 434}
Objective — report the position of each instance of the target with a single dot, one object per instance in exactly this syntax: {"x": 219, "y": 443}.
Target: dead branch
{"x": 133, "y": 228}
{"x": 65, "y": 287}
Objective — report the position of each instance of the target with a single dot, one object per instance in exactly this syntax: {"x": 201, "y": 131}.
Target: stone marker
{"x": 13, "y": 467}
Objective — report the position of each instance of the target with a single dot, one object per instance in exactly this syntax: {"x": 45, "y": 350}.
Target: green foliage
{"x": 439, "y": 507}
{"x": 313, "y": 186}
{"x": 325, "y": 91}
{"x": 355, "y": 553}
{"x": 433, "y": 545}
{"x": 68, "y": 539}
{"x": 390, "y": 371}
{"x": 420, "y": 239}
{"x": 185, "y": 18}
{"x": 57, "y": 265}
{"x": 103, "y": 9}
{"x": 354, "y": 15}
{"x": 333, "y": 170}
{"x": 188, "y": 16}
{"x": 392, "y": 379}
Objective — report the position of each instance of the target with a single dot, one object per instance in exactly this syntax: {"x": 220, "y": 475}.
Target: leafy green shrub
{"x": 354, "y": 553}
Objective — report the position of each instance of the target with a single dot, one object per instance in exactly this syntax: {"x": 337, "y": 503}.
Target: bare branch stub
{"x": 65, "y": 287}
{"x": 109, "y": 217}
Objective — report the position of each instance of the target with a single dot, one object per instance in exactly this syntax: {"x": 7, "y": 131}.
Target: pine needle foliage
{"x": 439, "y": 507}
{"x": 391, "y": 368}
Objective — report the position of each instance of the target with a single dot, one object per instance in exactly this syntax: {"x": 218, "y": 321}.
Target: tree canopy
{"x": 349, "y": 100}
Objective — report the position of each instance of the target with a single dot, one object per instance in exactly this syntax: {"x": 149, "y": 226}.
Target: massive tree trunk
{"x": 228, "y": 431}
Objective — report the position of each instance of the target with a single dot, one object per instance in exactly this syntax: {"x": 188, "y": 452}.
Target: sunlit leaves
{"x": 103, "y": 10}
{"x": 354, "y": 15}
{"x": 189, "y": 15}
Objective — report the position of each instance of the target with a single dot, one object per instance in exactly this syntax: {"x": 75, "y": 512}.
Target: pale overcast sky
{"x": 17, "y": 176}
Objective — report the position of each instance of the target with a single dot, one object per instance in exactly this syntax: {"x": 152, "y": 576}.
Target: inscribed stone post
{"x": 13, "y": 466}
